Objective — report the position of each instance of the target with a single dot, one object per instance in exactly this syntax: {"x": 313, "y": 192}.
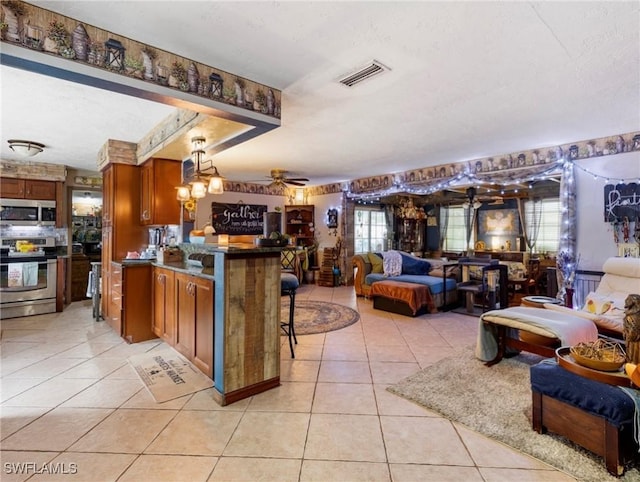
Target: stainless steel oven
{"x": 27, "y": 276}
{"x": 27, "y": 212}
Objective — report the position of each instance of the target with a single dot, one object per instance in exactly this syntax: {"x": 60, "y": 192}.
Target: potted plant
{"x": 133, "y": 67}
{"x": 260, "y": 100}
{"x": 178, "y": 75}
{"x": 57, "y": 36}
{"x": 229, "y": 94}
{"x": 96, "y": 53}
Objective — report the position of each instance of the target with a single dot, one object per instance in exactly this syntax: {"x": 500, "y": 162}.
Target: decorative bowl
{"x": 600, "y": 355}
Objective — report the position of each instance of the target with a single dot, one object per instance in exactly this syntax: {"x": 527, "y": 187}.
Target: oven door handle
{"x": 38, "y": 286}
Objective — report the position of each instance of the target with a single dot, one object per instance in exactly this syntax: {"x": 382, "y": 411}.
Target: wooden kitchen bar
{"x": 224, "y": 319}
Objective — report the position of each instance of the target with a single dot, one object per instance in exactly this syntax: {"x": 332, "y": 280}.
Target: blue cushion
{"x": 606, "y": 401}
{"x": 413, "y": 265}
{"x": 288, "y": 281}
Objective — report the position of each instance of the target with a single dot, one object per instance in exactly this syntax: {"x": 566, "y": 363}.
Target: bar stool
{"x": 288, "y": 286}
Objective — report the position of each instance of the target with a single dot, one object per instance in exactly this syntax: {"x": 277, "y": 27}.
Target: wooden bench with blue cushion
{"x": 594, "y": 415}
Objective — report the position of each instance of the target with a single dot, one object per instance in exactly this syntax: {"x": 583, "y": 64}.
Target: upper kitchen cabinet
{"x": 158, "y": 204}
{"x": 12, "y": 188}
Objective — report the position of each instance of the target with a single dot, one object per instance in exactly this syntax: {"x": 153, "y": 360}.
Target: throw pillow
{"x": 597, "y": 304}
{"x": 376, "y": 263}
{"x": 413, "y": 265}
{"x": 392, "y": 263}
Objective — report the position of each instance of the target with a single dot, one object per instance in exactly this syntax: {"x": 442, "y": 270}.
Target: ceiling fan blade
{"x": 293, "y": 183}
{"x": 299, "y": 179}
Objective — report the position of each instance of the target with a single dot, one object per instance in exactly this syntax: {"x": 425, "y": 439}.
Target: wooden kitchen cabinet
{"x": 130, "y": 311}
{"x": 12, "y": 188}
{"x": 80, "y": 268}
{"x": 194, "y": 320}
{"x": 164, "y": 304}
{"x": 158, "y": 203}
{"x": 121, "y": 230}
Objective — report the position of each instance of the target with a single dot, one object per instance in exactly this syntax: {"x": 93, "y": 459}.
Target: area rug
{"x": 318, "y": 316}
{"x": 168, "y": 375}
{"x": 496, "y": 402}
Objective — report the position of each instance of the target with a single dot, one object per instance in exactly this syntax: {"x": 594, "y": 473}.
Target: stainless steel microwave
{"x": 27, "y": 212}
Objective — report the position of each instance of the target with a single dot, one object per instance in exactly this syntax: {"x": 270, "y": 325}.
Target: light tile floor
{"x": 71, "y": 401}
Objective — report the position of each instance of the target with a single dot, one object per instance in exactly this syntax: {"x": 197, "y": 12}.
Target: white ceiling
{"x": 467, "y": 79}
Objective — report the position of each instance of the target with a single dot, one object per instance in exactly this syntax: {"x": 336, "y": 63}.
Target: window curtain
{"x": 566, "y": 260}
{"x": 530, "y": 227}
{"x": 443, "y": 222}
{"x": 469, "y": 221}
{"x": 389, "y": 218}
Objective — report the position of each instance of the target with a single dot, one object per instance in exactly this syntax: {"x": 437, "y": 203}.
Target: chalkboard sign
{"x": 621, "y": 200}
{"x": 237, "y": 219}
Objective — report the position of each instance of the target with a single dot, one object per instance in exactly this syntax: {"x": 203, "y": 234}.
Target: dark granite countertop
{"x": 181, "y": 267}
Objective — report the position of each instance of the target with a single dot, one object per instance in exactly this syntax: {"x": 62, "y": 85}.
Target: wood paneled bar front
{"x": 244, "y": 319}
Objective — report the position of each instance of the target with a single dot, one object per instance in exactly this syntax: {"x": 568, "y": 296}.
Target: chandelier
{"x": 199, "y": 184}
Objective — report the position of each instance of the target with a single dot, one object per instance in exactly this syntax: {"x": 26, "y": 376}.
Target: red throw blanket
{"x": 413, "y": 295}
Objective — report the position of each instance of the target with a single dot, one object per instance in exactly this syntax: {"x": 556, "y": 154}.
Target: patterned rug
{"x": 496, "y": 401}
{"x": 319, "y": 316}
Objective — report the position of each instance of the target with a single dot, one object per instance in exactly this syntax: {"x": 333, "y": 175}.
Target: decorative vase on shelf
{"x": 568, "y": 299}
{"x": 193, "y": 78}
{"x": 80, "y": 42}
{"x": 147, "y": 61}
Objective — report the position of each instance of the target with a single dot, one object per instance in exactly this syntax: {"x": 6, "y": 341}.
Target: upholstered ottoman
{"x": 594, "y": 415}
{"x": 409, "y": 299}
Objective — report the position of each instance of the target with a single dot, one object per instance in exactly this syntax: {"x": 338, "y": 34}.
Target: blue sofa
{"x": 436, "y": 280}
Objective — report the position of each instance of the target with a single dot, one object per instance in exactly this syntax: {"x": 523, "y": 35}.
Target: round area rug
{"x": 318, "y": 316}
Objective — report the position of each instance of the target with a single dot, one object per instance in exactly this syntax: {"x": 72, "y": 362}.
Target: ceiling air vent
{"x": 370, "y": 70}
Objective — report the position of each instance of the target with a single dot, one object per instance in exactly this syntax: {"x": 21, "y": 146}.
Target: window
{"x": 370, "y": 231}
{"x": 456, "y": 236}
{"x": 548, "y": 211}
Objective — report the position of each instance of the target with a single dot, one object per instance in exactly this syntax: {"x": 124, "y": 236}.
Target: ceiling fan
{"x": 279, "y": 178}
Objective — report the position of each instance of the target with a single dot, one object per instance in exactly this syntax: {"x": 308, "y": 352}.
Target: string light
{"x": 607, "y": 180}
{"x": 400, "y": 187}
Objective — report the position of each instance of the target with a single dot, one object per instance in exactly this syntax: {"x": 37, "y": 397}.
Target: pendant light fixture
{"x": 199, "y": 184}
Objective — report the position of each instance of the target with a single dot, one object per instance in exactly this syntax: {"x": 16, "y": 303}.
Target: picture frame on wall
{"x": 629, "y": 250}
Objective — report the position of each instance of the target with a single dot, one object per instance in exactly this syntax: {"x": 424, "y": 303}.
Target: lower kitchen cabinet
{"x": 164, "y": 304}
{"x": 128, "y": 313}
{"x": 194, "y": 320}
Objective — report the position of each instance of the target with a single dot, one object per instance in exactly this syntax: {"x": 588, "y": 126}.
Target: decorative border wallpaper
{"x": 35, "y": 28}
{"x": 507, "y": 167}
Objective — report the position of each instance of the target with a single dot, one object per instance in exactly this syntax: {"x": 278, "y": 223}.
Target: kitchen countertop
{"x": 194, "y": 269}
{"x": 181, "y": 267}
